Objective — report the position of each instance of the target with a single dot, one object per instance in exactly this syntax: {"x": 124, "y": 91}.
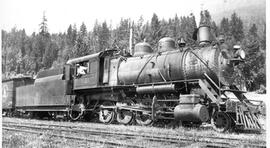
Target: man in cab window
{"x": 81, "y": 70}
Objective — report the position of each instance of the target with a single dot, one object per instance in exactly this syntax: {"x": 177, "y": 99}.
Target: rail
{"x": 170, "y": 138}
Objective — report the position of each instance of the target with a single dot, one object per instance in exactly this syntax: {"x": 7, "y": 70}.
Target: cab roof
{"x": 91, "y": 56}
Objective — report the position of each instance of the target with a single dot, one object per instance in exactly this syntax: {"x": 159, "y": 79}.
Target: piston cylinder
{"x": 190, "y": 110}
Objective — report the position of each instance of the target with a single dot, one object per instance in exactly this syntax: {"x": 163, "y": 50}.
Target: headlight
{"x": 242, "y": 54}
{"x": 236, "y": 47}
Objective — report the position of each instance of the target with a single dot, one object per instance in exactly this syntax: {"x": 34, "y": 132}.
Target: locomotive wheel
{"x": 221, "y": 121}
{"x": 143, "y": 119}
{"x": 124, "y": 116}
{"x": 4, "y": 114}
{"x": 74, "y": 115}
{"x": 52, "y": 115}
{"x": 76, "y": 112}
{"x": 105, "y": 115}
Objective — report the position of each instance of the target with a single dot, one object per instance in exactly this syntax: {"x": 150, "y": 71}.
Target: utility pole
{"x": 130, "y": 41}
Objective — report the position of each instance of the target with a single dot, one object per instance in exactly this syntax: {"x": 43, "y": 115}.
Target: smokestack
{"x": 204, "y": 35}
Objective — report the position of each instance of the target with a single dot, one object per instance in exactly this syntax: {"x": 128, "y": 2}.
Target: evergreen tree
{"x": 192, "y": 26}
{"x": 214, "y": 29}
{"x": 22, "y": 43}
{"x": 50, "y": 55}
{"x": 187, "y": 28}
{"x": 40, "y": 45}
{"x": 83, "y": 30}
{"x": 94, "y": 37}
{"x": 155, "y": 24}
{"x": 177, "y": 32}
{"x": 236, "y": 27}
{"x": 263, "y": 37}
{"x": 74, "y": 34}
{"x": 155, "y": 31}
{"x": 104, "y": 36}
{"x": 44, "y": 26}
{"x": 81, "y": 47}
{"x": 70, "y": 35}
{"x": 121, "y": 34}
{"x": 225, "y": 26}
{"x": 253, "y": 31}
{"x": 138, "y": 30}
{"x": 254, "y": 67}
{"x": 167, "y": 27}
{"x": 4, "y": 51}
{"x": 205, "y": 18}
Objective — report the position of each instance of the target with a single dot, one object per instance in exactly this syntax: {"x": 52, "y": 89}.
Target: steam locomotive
{"x": 184, "y": 85}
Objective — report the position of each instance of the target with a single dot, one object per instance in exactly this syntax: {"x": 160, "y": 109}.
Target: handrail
{"x": 144, "y": 67}
{"x": 212, "y": 82}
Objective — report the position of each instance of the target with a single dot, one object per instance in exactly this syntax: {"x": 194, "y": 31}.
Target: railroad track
{"x": 75, "y": 134}
{"x": 112, "y": 143}
{"x": 101, "y": 130}
{"x": 66, "y": 134}
{"x": 170, "y": 139}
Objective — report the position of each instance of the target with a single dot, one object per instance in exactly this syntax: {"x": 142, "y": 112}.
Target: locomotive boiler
{"x": 179, "y": 84}
{"x": 170, "y": 64}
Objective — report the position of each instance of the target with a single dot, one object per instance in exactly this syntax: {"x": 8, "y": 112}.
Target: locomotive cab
{"x": 90, "y": 71}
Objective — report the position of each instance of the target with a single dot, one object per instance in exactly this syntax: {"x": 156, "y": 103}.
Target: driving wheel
{"x": 106, "y": 115}
{"x": 143, "y": 119}
{"x": 221, "y": 121}
{"x": 76, "y": 112}
{"x": 124, "y": 116}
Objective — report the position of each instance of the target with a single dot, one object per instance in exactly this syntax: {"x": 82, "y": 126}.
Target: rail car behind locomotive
{"x": 9, "y": 92}
{"x": 182, "y": 84}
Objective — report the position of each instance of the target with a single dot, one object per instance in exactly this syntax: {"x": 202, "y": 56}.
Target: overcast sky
{"x": 60, "y": 13}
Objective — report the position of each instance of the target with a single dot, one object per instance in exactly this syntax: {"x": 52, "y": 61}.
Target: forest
{"x": 24, "y": 54}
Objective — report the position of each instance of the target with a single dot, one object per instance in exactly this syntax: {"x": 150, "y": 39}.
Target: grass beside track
{"x": 13, "y": 139}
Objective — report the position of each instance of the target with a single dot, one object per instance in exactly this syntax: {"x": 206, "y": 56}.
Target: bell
{"x": 181, "y": 42}
{"x": 221, "y": 39}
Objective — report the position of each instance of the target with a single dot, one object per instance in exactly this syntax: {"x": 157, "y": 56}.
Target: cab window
{"x": 82, "y": 68}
